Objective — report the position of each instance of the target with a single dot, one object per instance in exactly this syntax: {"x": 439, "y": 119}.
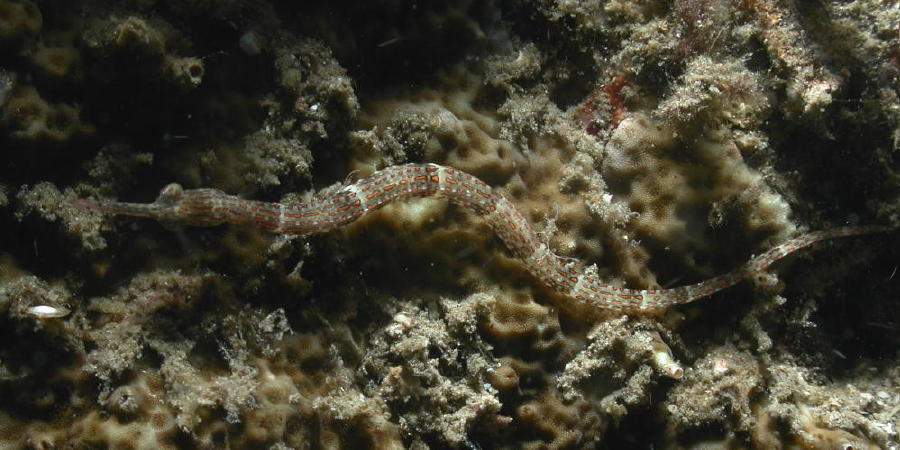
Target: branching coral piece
{"x": 207, "y": 207}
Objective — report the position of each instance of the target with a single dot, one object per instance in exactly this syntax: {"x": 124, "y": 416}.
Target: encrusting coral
{"x": 19, "y": 19}
{"x": 33, "y": 118}
{"x": 638, "y": 147}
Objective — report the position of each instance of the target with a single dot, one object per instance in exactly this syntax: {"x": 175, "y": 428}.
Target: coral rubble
{"x": 663, "y": 142}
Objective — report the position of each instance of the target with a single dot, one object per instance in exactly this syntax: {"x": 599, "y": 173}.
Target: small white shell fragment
{"x": 47, "y": 312}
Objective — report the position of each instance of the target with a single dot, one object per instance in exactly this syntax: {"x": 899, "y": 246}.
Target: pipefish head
{"x": 195, "y": 207}
{"x": 174, "y": 207}
{"x": 152, "y": 210}
{"x": 164, "y": 209}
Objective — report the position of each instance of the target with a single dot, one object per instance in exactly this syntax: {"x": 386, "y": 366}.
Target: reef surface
{"x": 665, "y": 142}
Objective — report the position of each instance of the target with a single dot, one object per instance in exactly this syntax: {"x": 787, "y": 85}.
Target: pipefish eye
{"x": 172, "y": 190}
{"x": 170, "y": 194}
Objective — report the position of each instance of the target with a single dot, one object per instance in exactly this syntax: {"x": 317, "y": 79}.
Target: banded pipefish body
{"x": 207, "y": 207}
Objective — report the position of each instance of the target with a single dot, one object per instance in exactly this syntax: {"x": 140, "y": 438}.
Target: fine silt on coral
{"x": 662, "y": 143}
